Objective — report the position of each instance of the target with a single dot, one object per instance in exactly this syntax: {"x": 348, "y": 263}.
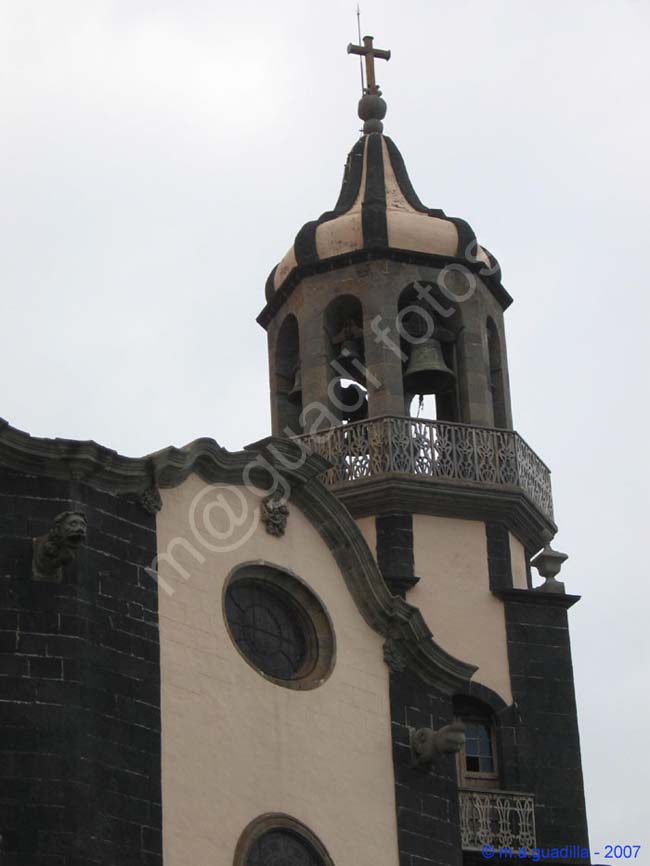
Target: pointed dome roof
{"x": 379, "y": 211}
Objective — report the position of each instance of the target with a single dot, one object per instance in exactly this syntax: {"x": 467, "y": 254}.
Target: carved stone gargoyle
{"x": 59, "y": 546}
{"x": 427, "y": 744}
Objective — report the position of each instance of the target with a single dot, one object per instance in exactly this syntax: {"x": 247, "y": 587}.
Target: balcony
{"x": 461, "y": 455}
{"x": 502, "y": 819}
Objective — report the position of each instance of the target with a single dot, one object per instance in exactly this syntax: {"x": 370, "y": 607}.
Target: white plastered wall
{"x": 235, "y": 745}
{"x": 518, "y": 563}
{"x": 368, "y": 529}
{"x": 454, "y": 596}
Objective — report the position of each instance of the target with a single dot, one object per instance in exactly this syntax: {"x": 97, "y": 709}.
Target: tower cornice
{"x": 357, "y": 257}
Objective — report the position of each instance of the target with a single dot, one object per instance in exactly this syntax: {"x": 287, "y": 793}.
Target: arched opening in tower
{"x": 347, "y": 391}
{"x": 497, "y": 389}
{"x": 287, "y": 385}
{"x": 428, "y": 352}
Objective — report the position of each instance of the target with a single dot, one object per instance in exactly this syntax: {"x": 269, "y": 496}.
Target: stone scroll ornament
{"x": 427, "y": 744}
{"x": 150, "y": 500}
{"x": 59, "y": 546}
{"x": 393, "y": 656}
{"x": 275, "y": 514}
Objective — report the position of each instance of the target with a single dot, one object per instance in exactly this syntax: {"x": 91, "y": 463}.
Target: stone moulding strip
{"x": 371, "y": 254}
{"x": 447, "y": 498}
{"x": 537, "y": 596}
{"x": 107, "y": 470}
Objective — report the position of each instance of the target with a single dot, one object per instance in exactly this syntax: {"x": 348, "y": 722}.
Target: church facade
{"x": 326, "y": 649}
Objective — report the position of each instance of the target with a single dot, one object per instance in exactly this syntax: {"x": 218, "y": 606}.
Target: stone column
{"x": 474, "y": 365}
{"x": 385, "y": 389}
{"x": 317, "y": 411}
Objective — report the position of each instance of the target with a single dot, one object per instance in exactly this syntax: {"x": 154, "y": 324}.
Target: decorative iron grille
{"x": 499, "y": 818}
{"x": 433, "y": 449}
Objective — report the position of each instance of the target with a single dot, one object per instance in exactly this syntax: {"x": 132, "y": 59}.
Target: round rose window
{"x": 279, "y": 626}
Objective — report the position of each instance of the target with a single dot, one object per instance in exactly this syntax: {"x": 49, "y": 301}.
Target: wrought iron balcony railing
{"x": 432, "y": 449}
{"x": 499, "y": 818}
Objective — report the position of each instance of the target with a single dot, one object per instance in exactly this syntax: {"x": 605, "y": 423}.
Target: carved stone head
{"x": 59, "y": 546}
{"x": 70, "y": 527}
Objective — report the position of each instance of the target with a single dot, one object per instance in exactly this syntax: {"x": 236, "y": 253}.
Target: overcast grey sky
{"x": 158, "y": 158}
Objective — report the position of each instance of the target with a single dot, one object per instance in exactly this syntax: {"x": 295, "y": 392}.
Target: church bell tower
{"x": 383, "y": 306}
{"x": 378, "y": 304}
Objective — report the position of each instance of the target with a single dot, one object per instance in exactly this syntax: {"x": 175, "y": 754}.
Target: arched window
{"x": 288, "y": 377}
{"x": 347, "y": 392}
{"x": 427, "y": 343}
{"x": 279, "y": 840}
{"x": 282, "y": 846}
{"x": 496, "y": 376}
{"x": 477, "y": 761}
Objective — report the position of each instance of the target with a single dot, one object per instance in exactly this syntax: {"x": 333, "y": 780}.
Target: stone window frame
{"x": 319, "y": 633}
{"x": 472, "y": 709}
{"x": 277, "y": 821}
{"x": 479, "y": 779}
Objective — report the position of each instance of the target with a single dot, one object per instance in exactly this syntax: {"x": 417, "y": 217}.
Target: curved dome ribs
{"x": 305, "y": 243}
{"x": 466, "y": 236}
{"x": 351, "y": 180}
{"x": 373, "y": 210}
{"x": 404, "y": 181}
{"x": 378, "y": 210}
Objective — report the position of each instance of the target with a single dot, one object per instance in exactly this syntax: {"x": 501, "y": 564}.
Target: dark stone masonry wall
{"x": 546, "y": 739}
{"x": 395, "y": 556}
{"x": 79, "y": 684}
{"x": 498, "y": 554}
{"x": 427, "y": 800}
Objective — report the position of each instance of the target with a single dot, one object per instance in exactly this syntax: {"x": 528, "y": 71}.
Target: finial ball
{"x": 372, "y": 110}
{"x": 371, "y": 107}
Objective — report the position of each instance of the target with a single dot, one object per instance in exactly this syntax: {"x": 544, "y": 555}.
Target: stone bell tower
{"x": 378, "y": 301}
{"x": 388, "y": 293}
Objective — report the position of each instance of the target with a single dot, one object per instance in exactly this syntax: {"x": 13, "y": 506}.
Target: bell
{"x": 295, "y": 394}
{"x": 350, "y": 353}
{"x": 351, "y": 359}
{"x": 352, "y": 401}
{"x": 427, "y": 372}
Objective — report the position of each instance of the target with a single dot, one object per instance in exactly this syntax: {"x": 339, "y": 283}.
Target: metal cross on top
{"x": 366, "y": 50}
